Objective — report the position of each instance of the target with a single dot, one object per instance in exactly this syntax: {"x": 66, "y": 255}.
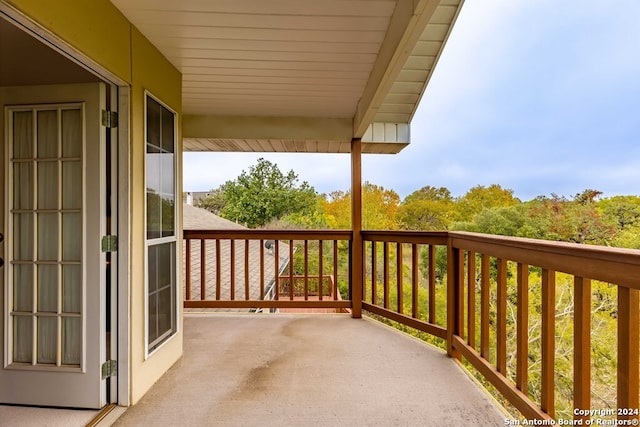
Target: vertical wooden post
{"x": 471, "y": 298}
{"x": 547, "y": 399}
{"x": 628, "y": 358}
{"x": 501, "y": 315}
{"x": 455, "y": 266}
{"x": 581, "y": 347}
{"x": 485, "y": 265}
{"x": 357, "y": 275}
{"x": 522, "y": 326}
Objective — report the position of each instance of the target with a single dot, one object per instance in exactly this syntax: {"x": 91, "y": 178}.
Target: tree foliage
{"x": 263, "y": 194}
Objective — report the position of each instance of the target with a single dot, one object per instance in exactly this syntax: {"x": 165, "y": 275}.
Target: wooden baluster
{"x": 374, "y": 273}
{"x": 581, "y": 346}
{"x": 232, "y": 265}
{"x": 218, "y": 270}
{"x": 501, "y": 327}
{"x": 432, "y": 284}
{"x": 247, "y": 295}
{"x": 547, "y": 399}
{"x": 471, "y": 298}
{"x": 187, "y": 269}
{"x": 628, "y": 360}
{"x": 415, "y": 281}
{"x": 399, "y": 285}
{"x": 522, "y": 325}
{"x": 485, "y": 266}
{"x": 385, "y": 283}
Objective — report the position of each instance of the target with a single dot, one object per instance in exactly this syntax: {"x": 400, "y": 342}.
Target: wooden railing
{"x": 476, "y": 306}
{"x": 244, "y": 269}
{"x": 472, "y": 291}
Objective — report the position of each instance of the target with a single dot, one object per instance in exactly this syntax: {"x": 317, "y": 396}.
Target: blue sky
{"x": 538, "y": 96}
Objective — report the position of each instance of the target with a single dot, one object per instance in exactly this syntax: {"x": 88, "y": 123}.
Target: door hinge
{"x": 109, "y": 369}
{"x": 109, "y": 243}
{"x": 109, "y": 119}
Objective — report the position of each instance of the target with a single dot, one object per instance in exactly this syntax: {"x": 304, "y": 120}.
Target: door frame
{"x": 120, "y": 392}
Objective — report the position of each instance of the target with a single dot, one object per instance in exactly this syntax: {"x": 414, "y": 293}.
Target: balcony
{"x": 467, "y": 292}
{"x": 470, "y": 294}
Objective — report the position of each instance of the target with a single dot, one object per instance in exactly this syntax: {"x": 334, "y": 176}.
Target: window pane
{"x": 48, "y": 237}
{"x": 153, "y": 122}
{"x": 48, "y": 288}
{"x": 48, "y": 134}
{"x": 22, "y": 287}
{"x": 23, "y": 185}
{"x": 22, "y": 339}
{"x": 168, "y": 216}
{"x": 167, "y": 131}
{"x": 23, "y": 237}
{"x": 71, "y": 185}
{"x": 23, "y": 135}
{"x": 71, "y": 288}
{"x": 153, "y": 318}
{"x": 162, "y": 292}
{"x": 47, "y": 339}
{"x": 153, "y": 215}
{"x": 71, "y": 340}
{"x": 71, "y": 237}
{"x": 48, "y": 185}
{"x": 72, "y": 133}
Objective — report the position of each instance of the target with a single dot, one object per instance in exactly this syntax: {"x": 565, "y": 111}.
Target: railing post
{"x": 628, "y": 353}
{"x": 455, "y": 264}
{"x": 357, "y": 263}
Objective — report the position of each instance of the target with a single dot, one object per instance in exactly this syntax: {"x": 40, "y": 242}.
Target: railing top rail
{"x": 616, "y": 265}
{"x": 269, "y": 234}
{"x": 421, "y": 237}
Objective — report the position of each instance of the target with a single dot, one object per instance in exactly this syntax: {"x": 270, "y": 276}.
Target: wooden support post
{"x": 581, "y": 348}
{"x": 455, "y": 266}
{"x": 357, "y": 274}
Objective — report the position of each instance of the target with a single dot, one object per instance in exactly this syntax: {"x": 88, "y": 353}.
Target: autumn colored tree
{"x": 429, "y": 208}
{"x": 480, "y": 197}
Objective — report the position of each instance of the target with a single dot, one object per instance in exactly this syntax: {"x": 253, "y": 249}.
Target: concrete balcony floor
{"x": 309, "y": 370}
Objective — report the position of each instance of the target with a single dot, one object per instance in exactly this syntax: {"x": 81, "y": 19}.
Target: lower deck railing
{"x": 522, "y": 312}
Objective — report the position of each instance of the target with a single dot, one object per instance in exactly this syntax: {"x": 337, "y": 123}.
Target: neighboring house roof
{"x": 201, "y": 219}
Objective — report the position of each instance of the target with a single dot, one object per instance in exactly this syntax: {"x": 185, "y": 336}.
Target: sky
{"x": 539, "y": 96}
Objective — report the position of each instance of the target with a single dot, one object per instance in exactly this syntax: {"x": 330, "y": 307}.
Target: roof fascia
{"x": 408, "y": 21}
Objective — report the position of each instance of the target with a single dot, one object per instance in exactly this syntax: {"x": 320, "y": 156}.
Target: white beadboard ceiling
{"x": 349, "y": 61}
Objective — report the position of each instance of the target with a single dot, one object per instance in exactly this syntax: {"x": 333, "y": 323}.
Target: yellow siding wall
{"x": 99, "y": 31}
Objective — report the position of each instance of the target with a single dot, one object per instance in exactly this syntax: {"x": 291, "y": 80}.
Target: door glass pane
{"x": 71, "y": 237}
{"x": 48, "y": 134}
{"x": 48, "y": 288}
{"x": 23, "y": 135}
{"x": 71, "y": 288}
{"x": 23, "y": 237}
{"x": 47, "y": 339}
{"x": 71, "y": 185}
{"x": 23, "y": 185}
{"x": 71, "y": 340}
{"x": 22, "y": 339}
{"x": 72, "y": 133}
{"x": 48, "y": 185}
{"x": 48, "y": 237}
{"x": 23, "y": 288}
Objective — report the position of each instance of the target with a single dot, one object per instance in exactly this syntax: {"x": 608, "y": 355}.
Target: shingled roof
{"x": 201, "y": 219}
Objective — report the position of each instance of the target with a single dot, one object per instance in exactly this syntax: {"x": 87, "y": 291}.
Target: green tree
{"x": 214, "y": 202}
{"x": 429, "y": 208}
{"x": 264, "y": 193}
{"x": 480, "y": 197}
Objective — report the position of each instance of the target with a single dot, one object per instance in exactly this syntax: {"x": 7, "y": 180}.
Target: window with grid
{"x": 161, "y": 223}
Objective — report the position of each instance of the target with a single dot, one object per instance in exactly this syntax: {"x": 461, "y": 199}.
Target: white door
{"x": 53, "y": 219}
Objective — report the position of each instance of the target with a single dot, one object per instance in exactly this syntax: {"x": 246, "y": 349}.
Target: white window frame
{"x": 161, "y": 240}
